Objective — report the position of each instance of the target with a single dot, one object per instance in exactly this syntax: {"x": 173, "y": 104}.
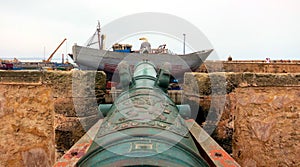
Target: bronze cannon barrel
{"x": 143, "y": 127}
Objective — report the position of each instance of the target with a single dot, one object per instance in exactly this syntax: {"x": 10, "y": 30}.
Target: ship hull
{"x": 108, "y": 61}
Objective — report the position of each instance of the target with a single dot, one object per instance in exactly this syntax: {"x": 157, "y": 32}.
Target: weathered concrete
{"x": 255, "y": 116}
{"x": 42, "y": 113}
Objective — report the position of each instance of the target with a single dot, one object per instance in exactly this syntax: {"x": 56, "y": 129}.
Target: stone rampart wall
{"x": 251, "y": 66}
{"x": 253, "y": 116}
{"x": 42, "y": 114}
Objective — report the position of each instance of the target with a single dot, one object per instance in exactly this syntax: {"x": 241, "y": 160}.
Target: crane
{"x": 50, "y": 57}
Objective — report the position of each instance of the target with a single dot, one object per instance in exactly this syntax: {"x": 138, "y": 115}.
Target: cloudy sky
{"x": 253, "y": 29}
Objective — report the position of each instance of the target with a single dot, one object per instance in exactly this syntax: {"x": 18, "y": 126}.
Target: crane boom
{"x": 50, "y": 57}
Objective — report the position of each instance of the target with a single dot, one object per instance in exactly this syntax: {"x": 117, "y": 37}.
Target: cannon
{"x": 143, "y": 127}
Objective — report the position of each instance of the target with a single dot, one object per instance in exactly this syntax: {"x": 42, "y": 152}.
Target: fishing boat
{"x": 108, "y": 61}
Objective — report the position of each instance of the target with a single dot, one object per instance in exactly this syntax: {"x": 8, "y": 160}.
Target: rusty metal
{"x": 212, "y": 152}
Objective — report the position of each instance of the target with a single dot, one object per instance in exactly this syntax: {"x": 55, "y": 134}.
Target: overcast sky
{"x": 245, "y": 29}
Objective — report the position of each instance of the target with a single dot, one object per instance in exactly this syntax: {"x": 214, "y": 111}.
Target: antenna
{"x": 184, "y": 43}
{"x": 44, "y": 52}
{"x": 66, "y": 52}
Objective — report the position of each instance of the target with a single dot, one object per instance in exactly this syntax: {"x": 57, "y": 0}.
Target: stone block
{"x": 85, "y": 106}
{"x": 64, "y": 106}
{"x": 266, "y": 125}
{"x": 20, "y": 77}
{"x": 27, "y": 125}
{"x": 35, "y": 157}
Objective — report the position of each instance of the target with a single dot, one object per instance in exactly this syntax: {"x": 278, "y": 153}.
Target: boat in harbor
{"x": 44, "y": 65}
{"x": 97, "y": 58}
{"x": 38, "y": 66}
{"x": 108, "y": 61}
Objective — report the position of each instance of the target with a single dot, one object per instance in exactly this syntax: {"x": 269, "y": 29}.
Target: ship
{"x": 97, "y": 58}
{"x": 107, "y": 61}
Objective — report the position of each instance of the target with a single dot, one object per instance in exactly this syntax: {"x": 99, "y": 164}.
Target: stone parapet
{"x": 27, "y": 126}
{"x": 224, "y": 83}
{"x": 255, "y": 116}
{"x": 43, "y": 113}
{"x": 256, "y": 66}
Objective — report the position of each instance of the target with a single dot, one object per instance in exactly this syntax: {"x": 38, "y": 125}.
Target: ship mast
{"x": 98, "y": 33}
{"x": 100, "y": 39}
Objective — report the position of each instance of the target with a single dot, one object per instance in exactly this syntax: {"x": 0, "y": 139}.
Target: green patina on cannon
{"x": 143, "y": 127}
